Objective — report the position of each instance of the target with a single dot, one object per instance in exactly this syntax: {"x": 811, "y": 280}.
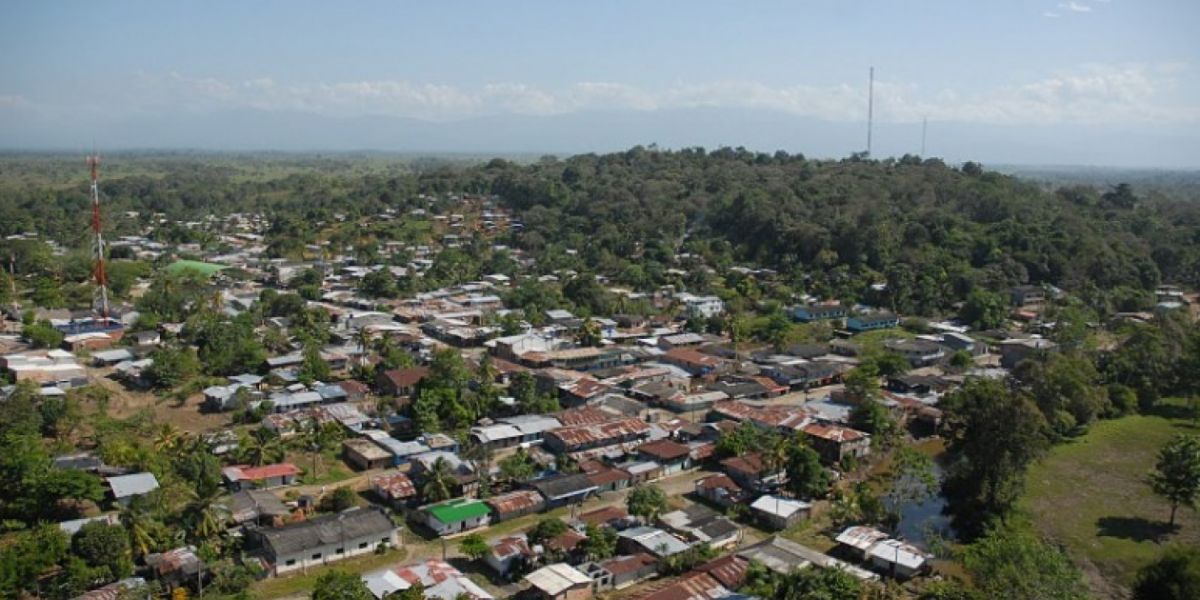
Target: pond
{"x": 921, "y": 516}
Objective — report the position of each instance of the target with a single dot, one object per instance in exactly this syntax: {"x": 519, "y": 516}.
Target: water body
{"x": 919, "y": 518}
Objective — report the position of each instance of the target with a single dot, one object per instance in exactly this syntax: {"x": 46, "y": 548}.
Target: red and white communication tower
{"x": 93, "y": 162}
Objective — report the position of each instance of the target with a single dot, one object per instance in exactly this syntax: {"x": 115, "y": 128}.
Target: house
{"x": 673, "y": 456}
{"x": 325, "y": 539}
{"x": 585, "y": 437}
{"x": 609, "y": 516}
{"x": 898, "y": 559}
{"x": 805, "y": 375}
{"x": 1027, "y": 295}
{"x": 74, "y": 525}
{"x": 696, "y": 363}
{"x": 243, "y": 477}
{"x": 650, "y": 540}
{"x": 108, "y": 358}
{"x": 751, "y": 473}
{"x": 705, "y": 307}
{"x": 606, "y": 478}
{"x": 1012, "y": 352}
{"x": 400, "y": 382}
{"x": 918, "y": 352}
{"x": 466, "y": 480}
{"x": 561, "y": 490}
{"x": 364, "y": 455}
{"x": 621, "y": 571}
{"x": 439, "y": 580}
{"x": 701, "y": 524}
{"x": 872, "y": 322}
{"x": 835, "y": 442}
{"x": 177, "y": 567}
{"x": 694, "y": 585}
{"x": 780, "y": 513}
{"x": 515, "y": 504}
{"x": 508, "y": 553}
{"x": 125, "y": 488}
{"x": 820, "y": 312}
{"x": 560, "y": 581}
{"x": 784, "y": 556}
{"x": 395, "y": 489}
{"x": 455, "y": 516}
{"x": 721, "y": 490}
{"x": 858, "y": 540}
{"x": 255, "y": 506}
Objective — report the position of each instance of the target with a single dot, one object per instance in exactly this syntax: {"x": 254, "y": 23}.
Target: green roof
{"x": 455, "y": 511}
{"x": 204, "y": 268}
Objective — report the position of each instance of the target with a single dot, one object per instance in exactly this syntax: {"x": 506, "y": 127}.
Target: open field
{"x": 1091, "y": 496}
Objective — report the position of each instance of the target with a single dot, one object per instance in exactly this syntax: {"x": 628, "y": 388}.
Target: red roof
{"x": 692, "y": 586}
{"x": 267, "y": 471}
{"x": 587, "y": 415}
{"x": 729, "y": 570}
{"x": 692, "y": 357}
{"x": 629, "y": 564}
{"x": 395, "y": 485}
{"x": 604, "y": 515}
{"x": 751, "y": 464}
{"x": 565, "y": 542}
{"x": 664, "y": 450}
{"x": 409, "y": 377}
{"x": 517, "y": 501}
{"x": 718, "y": 481}
{"x": 834, "y": 433}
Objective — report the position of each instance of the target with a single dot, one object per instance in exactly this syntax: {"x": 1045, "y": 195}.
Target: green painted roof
{"x": 204, "y": 268}
{"x": 458, "y": 510}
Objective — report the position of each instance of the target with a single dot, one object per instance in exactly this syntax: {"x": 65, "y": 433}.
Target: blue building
{"x": 872, "y": 322}
{"x": 808, "y": 314}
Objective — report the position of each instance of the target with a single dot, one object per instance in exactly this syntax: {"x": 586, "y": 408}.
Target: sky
{"x": 1090, "y": 81}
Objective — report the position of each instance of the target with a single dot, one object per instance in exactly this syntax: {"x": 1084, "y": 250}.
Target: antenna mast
{"x": 870, "y": 108}
{"x": 93, "y": 162}
{"x": 924, "y": 126}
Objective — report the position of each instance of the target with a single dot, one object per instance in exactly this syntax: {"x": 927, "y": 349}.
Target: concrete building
{"x": 326, "y": 539}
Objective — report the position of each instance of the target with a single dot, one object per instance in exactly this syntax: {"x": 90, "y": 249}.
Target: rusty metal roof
{"x": 517, "y": 501}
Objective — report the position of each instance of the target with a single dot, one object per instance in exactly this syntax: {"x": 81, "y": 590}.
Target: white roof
{"x": 861, "y": 537}
{"x": 896, "y": 551}
{"x": 382, "y": 583}
{"x": 132, "y": 485}
{"x": 492, "y": 433}
{"x": 784, "y": 507}
{"x": 557, "y": 578}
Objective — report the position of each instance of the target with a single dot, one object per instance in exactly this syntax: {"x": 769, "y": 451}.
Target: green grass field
{"x": 1091, "y": 495}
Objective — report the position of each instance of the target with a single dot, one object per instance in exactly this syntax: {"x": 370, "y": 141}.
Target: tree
{"x": 340, "y": 585}
{"x": 314, "y": 367}
{"x": 473, "y": 546}
{"x": 1066, "y": 388}
{"x": 1016, "y": 565}
{"x": 992, "y": 435}
{"x": 29, "y": 556}
{"x": 517, "y": 466}
{"x": 1177, "y": 474}
{"x": 601, "y": 542}
{"x": 1174, "y": 576}
{"x": 104, "y": 545}
{"x": 172, "y": 367}
{"x": 547, "y": 529}
{"x": 874, "y": 418}
{"x": 261, "y": 447}
{"x": 589, "y": 334}
{"x": 806, "y": 476}
{"x": 414, "y": 592}
{"x": 646, "y": 501}
{"x": 439, "y": 481}
{"x": 339, "y": 499}
{"x": 42, "y": 335}
{"x": 862, "y": 382}
{"x": 984, "y": 309}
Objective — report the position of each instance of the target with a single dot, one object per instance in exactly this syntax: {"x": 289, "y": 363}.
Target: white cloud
{"x": 1097, "y": 94}
{"x": 1075, "y": 7}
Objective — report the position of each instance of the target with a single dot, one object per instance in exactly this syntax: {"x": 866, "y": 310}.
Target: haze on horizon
{"x": 1095, "y": 82}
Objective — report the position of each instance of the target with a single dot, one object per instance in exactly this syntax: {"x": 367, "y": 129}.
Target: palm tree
{"x": 439, "y": 481}
{"x": 168, "y": 438}
{"x": 364, "y": 342}
{"x": 262, "y": 447}
{"x": 205, "y": 517}
{"x": 140, "y": 524}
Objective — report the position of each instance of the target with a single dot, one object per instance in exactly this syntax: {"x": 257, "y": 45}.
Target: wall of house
{"x": 329, "y": 553}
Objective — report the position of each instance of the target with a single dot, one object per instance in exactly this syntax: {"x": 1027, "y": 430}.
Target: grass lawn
{"x": 302, "y": 583}
{"x": 1091, "y": 495}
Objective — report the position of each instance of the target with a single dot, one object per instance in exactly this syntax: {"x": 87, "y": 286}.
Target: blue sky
{"x": 1119, "y": 65}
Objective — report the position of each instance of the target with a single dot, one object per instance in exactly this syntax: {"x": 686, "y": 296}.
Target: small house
{"x": 560, "y": 581}
{"x": 508, "y": 553}
{"x": 243, "y": 477}
{"x": 780, "y": 513}
{"x": 124, "y": 488}
{"x": 515, "y": 504}
{"x": 456, "y": 516}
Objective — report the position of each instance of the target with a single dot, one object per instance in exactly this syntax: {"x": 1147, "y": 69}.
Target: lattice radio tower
{"x": 101, "y": 275}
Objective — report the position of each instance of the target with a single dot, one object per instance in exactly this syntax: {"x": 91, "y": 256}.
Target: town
{"x": 232, "y": 419}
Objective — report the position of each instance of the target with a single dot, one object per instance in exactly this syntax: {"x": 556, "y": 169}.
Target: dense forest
{"x": 931, "y": 232}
